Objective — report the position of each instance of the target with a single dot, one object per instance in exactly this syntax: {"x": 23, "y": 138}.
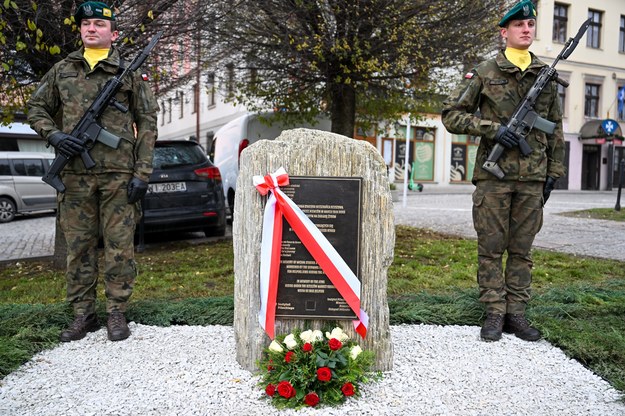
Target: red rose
{"x": 307, "y": 347}
{"x": 324, "y": 374}
{"x": 289, "y": 356}
{"x": 269, "y": 366}
{"x": 335, "y": 344}
{"x": 285, "y": 389}
{"x": 348, "y": 389}
{"x": 311, "y": 399}
{"x": 270, "y": 390}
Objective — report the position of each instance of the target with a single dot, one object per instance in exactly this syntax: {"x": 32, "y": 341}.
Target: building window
{"x": 560, "y": 20}
{"x": 196, "y": 98}
{"x": 253, "y": 76}
{"x": 591, "y": 100}
{"x": 210, "y": 88}
{"x": 163, "y": 113}
{"x": 593, "y": 37}
{"x": 169, "y": 110}
{"x": 230, "y": 80}
{"x": 621, "y": 35}
{"x": 620, "y": 99}
{"x": 180, "y": 97}
{"x": 562, "y": 97}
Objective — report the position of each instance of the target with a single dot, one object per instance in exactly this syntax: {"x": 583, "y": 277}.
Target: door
{"x": 591, "y": 159}
{"x": 563, "y": 182}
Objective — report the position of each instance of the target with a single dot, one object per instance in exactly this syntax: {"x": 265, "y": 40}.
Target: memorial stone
{"x": 313, "y": 158}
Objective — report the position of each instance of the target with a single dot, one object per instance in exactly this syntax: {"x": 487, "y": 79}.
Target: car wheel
{"x": 7, "y": 210}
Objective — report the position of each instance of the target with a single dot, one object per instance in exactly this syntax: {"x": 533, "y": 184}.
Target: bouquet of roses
{"x": 308, "y": 368}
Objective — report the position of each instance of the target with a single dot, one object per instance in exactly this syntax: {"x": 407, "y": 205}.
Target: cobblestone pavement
{"x": 448, "y": 209}
{"x": 441, "y": 208}
{"x": 27, "y": 236}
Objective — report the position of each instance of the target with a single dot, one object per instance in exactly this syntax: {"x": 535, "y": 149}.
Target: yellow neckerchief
{"x": 519, "y": 57}
{"x": 95, "y": 55}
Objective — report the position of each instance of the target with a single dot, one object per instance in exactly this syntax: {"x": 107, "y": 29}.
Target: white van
{"x": 21, "y": 188}
{"x": 233, "y": 137}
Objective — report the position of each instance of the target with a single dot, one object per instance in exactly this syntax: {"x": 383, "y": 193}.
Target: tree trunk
{"x": 343, "y": 109}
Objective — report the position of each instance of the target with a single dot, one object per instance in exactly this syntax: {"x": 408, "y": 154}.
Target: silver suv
{"x": 21, "y": 188}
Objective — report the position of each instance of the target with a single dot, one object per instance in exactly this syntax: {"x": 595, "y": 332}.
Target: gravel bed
{"x": 191, "y": 370}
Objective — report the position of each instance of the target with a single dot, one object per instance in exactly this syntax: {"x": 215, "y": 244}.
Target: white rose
{"x": 290, "y": 341}
{"x": 317, "y": 335}
{"x": 355, "y": 351}
{"x": 274, "y": 346}
{"x": 338, "y": 334}
{"x": 307, "y": 336}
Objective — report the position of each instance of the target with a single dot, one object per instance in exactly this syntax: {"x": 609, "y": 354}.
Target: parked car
{"x": 21, "y": 189}
{"x": 231, "y": 139}
{"x": 185, "y": 190}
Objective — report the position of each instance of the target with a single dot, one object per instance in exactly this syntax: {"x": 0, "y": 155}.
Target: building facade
{"x": 593, "y": 106}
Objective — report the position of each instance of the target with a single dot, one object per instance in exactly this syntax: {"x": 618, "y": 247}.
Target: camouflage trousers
{"x": 93, "y": 206}
{"x": 507, "y": 215}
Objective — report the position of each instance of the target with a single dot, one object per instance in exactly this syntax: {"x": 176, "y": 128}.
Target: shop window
{"x": 463, "y": 153}
{"x": 420, "y": 156}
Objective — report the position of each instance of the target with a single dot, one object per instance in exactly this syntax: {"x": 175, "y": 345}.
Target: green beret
{"x": 523, "y": 10}
{"x": 93, "y": 10}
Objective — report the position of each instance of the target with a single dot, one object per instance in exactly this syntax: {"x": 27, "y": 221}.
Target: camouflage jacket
{"x": 486, "y": 98}
{"x": 69, "y": 88}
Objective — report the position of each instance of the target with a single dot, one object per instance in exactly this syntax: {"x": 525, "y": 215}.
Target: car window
{"x": 5, "y": 169}
{"x": 28, "y": 167}
{"x": 169, "y": 156}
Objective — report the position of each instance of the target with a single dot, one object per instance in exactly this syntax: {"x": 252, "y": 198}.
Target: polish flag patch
{"x": 469, "y": 75}
{"x": 145, "y": 77}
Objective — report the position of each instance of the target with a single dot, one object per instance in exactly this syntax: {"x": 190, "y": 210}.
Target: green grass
{"x": 599, "y": 213}
{"x": 578, "y": 304}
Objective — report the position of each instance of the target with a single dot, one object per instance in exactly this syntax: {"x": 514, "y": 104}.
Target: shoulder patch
{"x": 145, "y": 77}
{"x": 469, "y": 75}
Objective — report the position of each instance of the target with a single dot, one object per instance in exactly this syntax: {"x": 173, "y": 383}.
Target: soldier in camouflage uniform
{"x": 104, "y": 199}
{"x": 508, "y": 213}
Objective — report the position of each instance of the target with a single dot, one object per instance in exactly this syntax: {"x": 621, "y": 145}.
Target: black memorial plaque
{"x": 333, "y": 204}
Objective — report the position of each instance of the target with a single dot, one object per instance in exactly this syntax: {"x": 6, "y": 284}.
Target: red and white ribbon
{"x": 326, "y": 256}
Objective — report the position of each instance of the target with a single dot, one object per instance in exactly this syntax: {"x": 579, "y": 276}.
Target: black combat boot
{"x": 493, "y": 326}
{"x": 79, "y": 328}
{"x": 517, "y": 324}
{"x": 117, "y": 327}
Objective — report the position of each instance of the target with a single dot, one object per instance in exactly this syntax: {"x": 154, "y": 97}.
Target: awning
{"x": 607, "y": 129}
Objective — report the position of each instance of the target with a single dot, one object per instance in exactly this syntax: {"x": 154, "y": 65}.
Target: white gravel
{"x": 191, "y": 370}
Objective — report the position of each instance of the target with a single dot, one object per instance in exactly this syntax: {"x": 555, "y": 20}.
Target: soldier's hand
{"x": 506, "y": 138}
{"x": 68, "y": 145}
{"x": 550, "y": 183}
{"x": 137, "y": 189}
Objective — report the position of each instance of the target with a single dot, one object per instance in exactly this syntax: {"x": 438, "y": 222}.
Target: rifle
{"x": 524, "y": 118}
{"x": 88, "y": 130}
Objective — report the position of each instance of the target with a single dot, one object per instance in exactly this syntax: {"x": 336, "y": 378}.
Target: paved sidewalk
{"x": 448, "y": 209}
{"x": 441, "y": 208}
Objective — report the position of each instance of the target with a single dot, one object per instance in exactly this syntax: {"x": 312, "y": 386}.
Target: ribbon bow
{"x": 271, "y": 182}
{"x": 326, "y": 256}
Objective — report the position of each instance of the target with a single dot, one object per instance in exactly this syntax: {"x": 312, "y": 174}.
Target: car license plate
{"x": 167, "y": 187}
